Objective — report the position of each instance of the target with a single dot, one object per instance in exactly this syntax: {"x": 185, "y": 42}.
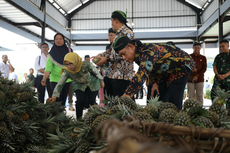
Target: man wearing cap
{"x": 119, "y": 71}
{"x": 196, "y": 79}
{"x": 166, "y": 67}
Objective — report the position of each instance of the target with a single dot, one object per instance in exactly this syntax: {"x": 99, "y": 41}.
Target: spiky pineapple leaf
{"x": 155, "y": 101}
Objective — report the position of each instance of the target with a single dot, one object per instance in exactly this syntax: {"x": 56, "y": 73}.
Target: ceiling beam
{"x": 70, "y": 15}
{"x": 38, "y": 15}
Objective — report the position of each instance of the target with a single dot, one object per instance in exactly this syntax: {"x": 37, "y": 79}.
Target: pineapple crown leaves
{"x": 85, "y": 133}
{"x": 194, "y": 121}
{"x": 110, "y": 100}
{"x": 221, "y": 95}
{"x": 40, "y": 149}
{"x": 124, "y": 111}
{"x": 47, "y": 121}
{"x": 7, "y": 146}
{"x": 30, "y": 127}
{"x": 155, "y": 101}
{"x": 16, "y": 108}
{"x": 196, "y": 111}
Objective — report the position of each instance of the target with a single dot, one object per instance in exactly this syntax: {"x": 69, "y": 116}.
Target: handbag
{"x": 35, "y": 78}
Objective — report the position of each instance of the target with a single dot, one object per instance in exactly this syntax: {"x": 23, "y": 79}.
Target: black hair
{"x": 87, "y": 56}
{"x": 196, "y": 44}
{"x": 170, "y": 43}
{"x": 44, "y": 44}
{"x": 225, "y": 41}
{"x": 121, "y": 17}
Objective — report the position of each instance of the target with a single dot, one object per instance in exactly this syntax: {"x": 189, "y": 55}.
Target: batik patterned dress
{"x": 88, "y": 76}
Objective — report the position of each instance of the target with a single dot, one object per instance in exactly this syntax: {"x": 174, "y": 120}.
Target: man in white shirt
{"x": 23, "y": 80}
{"x": 40, "y": 64}
{"x": 5, "y": 67}
{"x": 14, "y": 76}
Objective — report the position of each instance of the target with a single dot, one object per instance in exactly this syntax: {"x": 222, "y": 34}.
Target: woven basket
{"x": 183, "y": 138}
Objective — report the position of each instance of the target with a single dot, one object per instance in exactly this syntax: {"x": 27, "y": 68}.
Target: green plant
{"x": 208, "y": 94}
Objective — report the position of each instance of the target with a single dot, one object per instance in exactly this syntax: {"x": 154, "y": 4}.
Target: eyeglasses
{"x": 68, "y": 64}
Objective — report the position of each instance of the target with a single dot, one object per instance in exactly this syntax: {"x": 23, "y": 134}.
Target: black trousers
{"x": 140, "y": 92}
{"x": 63, "y": 93}
{"x": 81, "y": 98}
{"x": 108, "y": 89}
{"x": 173, "y": 93}
{"x": 41, "y": 89}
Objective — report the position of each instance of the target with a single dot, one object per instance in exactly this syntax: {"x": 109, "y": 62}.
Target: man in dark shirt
{"x": 196, "y": 79}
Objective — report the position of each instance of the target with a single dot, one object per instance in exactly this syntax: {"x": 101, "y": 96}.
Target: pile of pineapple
{"x": 124, "y": 108}
{"x": 27, "y": 126}
{"x": 24, "y": 122}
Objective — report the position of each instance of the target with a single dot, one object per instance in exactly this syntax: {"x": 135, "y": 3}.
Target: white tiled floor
{"x": 207, "y": 103}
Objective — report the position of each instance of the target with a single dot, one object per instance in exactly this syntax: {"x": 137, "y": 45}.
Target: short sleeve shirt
{"x": 5, "y": 70}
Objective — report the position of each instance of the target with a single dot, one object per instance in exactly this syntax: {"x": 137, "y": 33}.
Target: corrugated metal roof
{"x": 13, "y": 14}
{"x": 199, "y": 3}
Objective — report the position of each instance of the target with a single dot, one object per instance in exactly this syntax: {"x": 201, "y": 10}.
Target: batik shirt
{"x": 118, "y": 68}
{"x": 159, "y": 62}
{"x": 88, "y": 76}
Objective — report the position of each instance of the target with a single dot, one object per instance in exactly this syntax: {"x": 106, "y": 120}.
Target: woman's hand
{"x": 155, "y": 87}
{"x": 125, "y": 95}
{"x": 43, "y": 82}
{"x": 52, "y": 100}
{"x": 102, "y": 84}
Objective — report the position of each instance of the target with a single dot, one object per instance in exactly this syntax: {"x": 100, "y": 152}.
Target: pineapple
{"x": 24, "y": 96}
{"x": 3, "y": 133}
{"x": 7, "y": 118}
{"x": 139, "y": 108}
{"x": 11, "y": 113}
{"x": 20, "y": 138}
{"x": 204, "y": 122}
{"x": 182, "y": 119}
{"x": 113, "y": 110}
{"x": 128, "y": 102}
{"x": 2, "y": 115}
{"x": 2, "y": 96}
{"x": 83, "y": 147}
{"x": 166, "y": 105}
{"x": 88, "y": 120}
{"x": 213, "y": 117}
{"x": 142, "y": 116}
{"x": 189, "y": 103}
{"x": 218, "y": 109}
{"x": 3, "y": 124}
{"x": 152, "y": 107}
{"x": 100, "y": 119}
{"x": 167, "y": 115}
{"x": 220, "y": 96}
{"x": 51, "y": 128}
{"x": 25, "y": 116}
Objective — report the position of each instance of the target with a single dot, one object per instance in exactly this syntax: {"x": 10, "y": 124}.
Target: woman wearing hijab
{"x": 166, "y": 67}
{"x": 86, "y": 81}
{"x": 54, "y": 64}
